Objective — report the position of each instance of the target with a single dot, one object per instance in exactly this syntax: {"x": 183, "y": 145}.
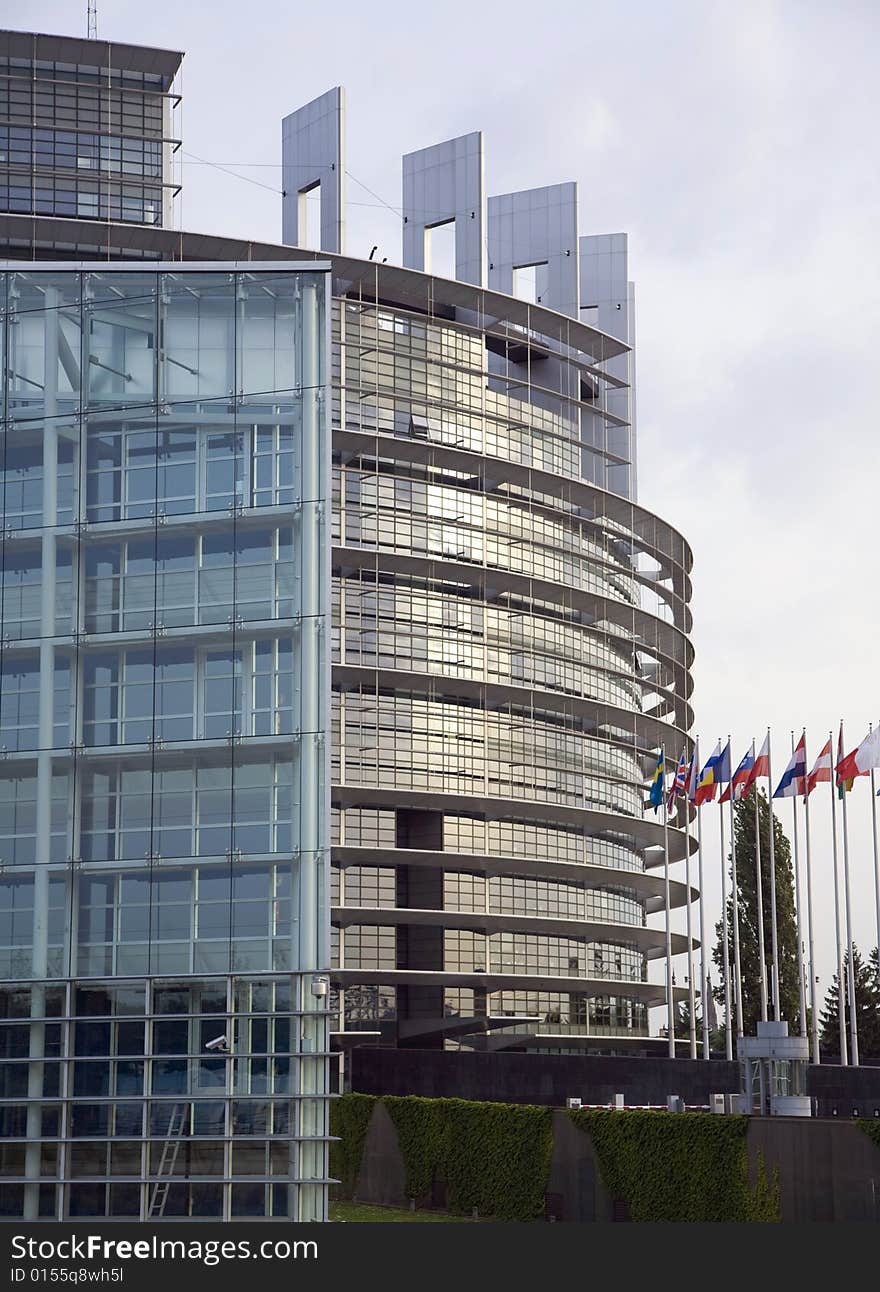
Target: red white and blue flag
{"x": 794, "y": 778}
{"x": 742, "y": 778}
{"x": 679, "y": 782}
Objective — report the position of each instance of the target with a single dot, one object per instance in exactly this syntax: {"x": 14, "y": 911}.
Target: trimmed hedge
{"x": 492, "y": 1157}
{"x": 349, "y": 1119}
{"x": 496, "y": 1157}
{"x": 679, "y": 1167}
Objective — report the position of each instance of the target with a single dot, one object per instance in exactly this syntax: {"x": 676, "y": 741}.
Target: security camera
{"x": 218, "y": 1043}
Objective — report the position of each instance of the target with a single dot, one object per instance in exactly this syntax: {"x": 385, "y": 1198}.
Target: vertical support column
{"x": 146, "y": 1189}
{"x": 229, "y": 1091}
{"x": 420, "y": 947}
{"x": 308, "y": 1201}
{"x": 44, "y": 758}
{"x": 65, "y": 1091}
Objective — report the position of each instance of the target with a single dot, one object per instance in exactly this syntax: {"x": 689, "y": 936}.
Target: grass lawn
{"x": 359, "y": 1211}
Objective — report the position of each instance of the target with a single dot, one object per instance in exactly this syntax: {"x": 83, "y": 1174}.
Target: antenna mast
{"x": 92, "y": 19}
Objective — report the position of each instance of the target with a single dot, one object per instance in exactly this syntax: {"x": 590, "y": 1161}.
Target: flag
{"x": 655, "y": 798}
{"x": 821, "y": 768}
{"x": 679, "y": 782}
{"x": 762, "y": 763}
{"x": 847, "y": 768}
{"x": 716, "y": 772}
{"x": 868, "y": 752}
{"x": 794, "y": 777}
{"x": 693, "y": 774}
{"x": 704, "y": 791}
{"x": 741, "y": 778}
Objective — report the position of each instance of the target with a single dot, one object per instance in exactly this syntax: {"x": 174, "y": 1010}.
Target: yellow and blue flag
{"x": 655, "y": 798}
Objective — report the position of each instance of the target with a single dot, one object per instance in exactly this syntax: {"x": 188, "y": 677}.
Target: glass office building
{"x": 164, "y": 708}
{"x": 509, "y": 628}
{"x": 87, "y": 128}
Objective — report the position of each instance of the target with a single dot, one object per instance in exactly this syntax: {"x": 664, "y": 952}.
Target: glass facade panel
{"x": 164, "y": 694}
{"x": 86, "y": 142}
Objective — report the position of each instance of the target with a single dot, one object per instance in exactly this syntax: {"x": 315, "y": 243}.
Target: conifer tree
{"x": 744, "y": 833}
{"x": 867, "y": 987}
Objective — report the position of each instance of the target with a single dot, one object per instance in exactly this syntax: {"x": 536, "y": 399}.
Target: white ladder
{"x": 170, "y": 1149}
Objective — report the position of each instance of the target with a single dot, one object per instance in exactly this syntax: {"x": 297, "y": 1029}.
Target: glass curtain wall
{"x": 164, "y": 703}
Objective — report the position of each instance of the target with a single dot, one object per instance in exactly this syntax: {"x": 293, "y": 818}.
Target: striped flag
{"x": 715, "y": 773}
{"x": 821, "y": 768}
{"x": 742, "y": 778}
{"x": 793, "y": 780}
{"x": 762, "y": 763}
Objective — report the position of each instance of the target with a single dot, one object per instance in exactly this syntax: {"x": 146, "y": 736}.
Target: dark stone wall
{"x": 539, "y": 1078}
{"x": 575, "y": 1191}
{"x": 844, "y": 1092}
{"x": 595, "y": 1079}
{"x": 382, "y": 1177}
{"x": 828, "y": 1170}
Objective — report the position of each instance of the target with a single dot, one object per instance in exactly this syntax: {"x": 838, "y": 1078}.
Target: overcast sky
{"x": 737, "y": 145}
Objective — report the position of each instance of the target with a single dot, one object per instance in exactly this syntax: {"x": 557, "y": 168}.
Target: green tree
{"x": 867, "y": 989}
{"x": 744, "y": 834}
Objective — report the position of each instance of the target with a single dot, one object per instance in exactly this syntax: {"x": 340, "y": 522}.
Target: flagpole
{"x": 851, "y": 976}
{"x": 774, "y": 933}
{"x": 728, "y": 1030}
{"x": 704, "y": 996}
{"x": 737, "y": 968}
{"x": 802, "y": 995}
{"x": 759, "y": 898}
{"x": 814, "y": 1016}
{"x": 876, "y": 855}
{"x": 670, "y": 1006}
{"x": 692, "y": 995}
{"x": 841, "y": 1007}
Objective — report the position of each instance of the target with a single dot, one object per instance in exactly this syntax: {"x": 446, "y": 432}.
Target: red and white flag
{"x": 821, "y": 768}
{"x": 868, "y": 752}
{"x": 848, "y": 766}
{"x": 762, "y": 764}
